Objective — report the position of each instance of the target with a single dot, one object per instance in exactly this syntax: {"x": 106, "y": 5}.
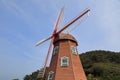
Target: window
{"x": 55, "y": 50}
{"x": 64, "y": 61}
{"x": 74, "y": 50}
{"x": 50, "y": 76}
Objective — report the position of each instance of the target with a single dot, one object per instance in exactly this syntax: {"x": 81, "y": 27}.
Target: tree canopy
{"x": 101, "y": 65}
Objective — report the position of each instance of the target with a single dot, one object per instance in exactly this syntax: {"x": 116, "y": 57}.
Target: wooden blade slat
{"x": 51, "y": 43}
{"x": 81, "y": 15}
{"x": 42, "y": 41}
{"x": 55, "y": 29}
{"x": 48, "y": 54}
{"x": 58, "y": 20}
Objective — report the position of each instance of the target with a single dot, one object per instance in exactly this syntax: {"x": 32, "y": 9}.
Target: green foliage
{"x": 35, "y": 76}
{"x": 15, "y": 79}
{"x": 103, "y": 65}
{"x": 32, "y": 76}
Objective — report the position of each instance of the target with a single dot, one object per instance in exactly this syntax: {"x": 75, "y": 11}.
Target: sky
{"x": 25, "y": 22}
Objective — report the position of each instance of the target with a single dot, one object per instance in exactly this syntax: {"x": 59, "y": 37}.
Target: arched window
{"x": 55, "y": 50}
{"x": 74, "y": 50}
{"x": 64, "y": 61}
{"x": 50, "y": 76}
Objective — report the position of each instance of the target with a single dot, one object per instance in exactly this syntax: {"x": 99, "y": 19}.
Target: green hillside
{"x": 101, "y": 65}
{"x": 98, "y": 65}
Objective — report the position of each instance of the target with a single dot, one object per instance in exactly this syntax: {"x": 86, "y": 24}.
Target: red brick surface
{"x": 72, "y": 72}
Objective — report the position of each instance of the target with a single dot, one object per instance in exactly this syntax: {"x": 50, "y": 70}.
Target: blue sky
{"x": 24, "y": 22}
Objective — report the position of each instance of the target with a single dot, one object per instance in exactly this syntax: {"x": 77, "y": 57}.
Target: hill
{"x": 101, "y": 65}
{"x": 98, "y": 65}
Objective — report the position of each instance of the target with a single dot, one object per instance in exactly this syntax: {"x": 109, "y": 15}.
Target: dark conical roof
{"x": 64, "y": 36}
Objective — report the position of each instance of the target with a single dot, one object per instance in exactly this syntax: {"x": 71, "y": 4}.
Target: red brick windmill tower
{"x": 65, "y": 63}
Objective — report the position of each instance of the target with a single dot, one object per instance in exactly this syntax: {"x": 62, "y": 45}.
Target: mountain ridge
{"x": 101, "y": 65}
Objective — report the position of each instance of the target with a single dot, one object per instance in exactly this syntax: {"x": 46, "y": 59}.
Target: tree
{"x": 16, "y": 79}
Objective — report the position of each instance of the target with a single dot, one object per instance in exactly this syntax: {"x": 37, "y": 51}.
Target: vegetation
{"x": 98, "y": 65}
{"x": 15, "y": 79}
{"x": 32, "y": 76}
{"x": 101, "y": 65}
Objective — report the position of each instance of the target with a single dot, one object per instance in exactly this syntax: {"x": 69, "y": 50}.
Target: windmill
{"x": 62, "y": 60}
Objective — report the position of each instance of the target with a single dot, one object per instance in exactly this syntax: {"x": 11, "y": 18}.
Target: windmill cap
{"x": 63, "y": 36}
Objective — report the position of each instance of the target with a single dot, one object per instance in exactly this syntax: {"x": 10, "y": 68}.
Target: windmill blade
{"x": 76, "y": 23}
{"x": 58, "y": 20}
{"x": 42, "y": 41}
{"x": 55, "y": 29}
{"x": 74, "y": 20}
{"x": 48, "y": 54}
{"x": 51, "y": 43}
